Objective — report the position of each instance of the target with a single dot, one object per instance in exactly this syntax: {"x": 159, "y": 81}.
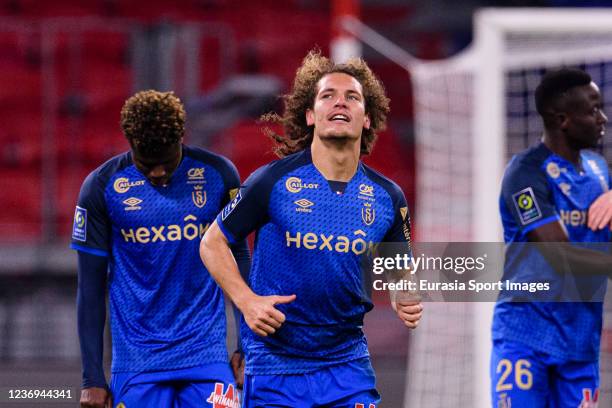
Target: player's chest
{"x": 148, "y": 206}
{"x": 574, "y": 191}
{"x": 364, "y": 209}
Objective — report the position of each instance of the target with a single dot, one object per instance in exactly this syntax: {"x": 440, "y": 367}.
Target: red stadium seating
{"x": 88, "y": 95}
{"x": 20, "y": 195}
{"x": 246, "y": 146}
{"x": 64, "y": 8}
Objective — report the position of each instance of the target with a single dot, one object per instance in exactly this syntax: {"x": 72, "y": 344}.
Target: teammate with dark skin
{"x": 157, "y": 169}
{"x": 572, "y": 122}
{"x": 156, "y": 158}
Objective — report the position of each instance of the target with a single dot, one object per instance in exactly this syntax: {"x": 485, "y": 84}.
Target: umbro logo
{"x": 132, "y": 204}
{"x": 303, "y": 205}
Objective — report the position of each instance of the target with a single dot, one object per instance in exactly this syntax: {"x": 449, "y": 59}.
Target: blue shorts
{"x": 210, "y": 385}
{"x": 523, "y": 377}
{"x": 346, "y": 385}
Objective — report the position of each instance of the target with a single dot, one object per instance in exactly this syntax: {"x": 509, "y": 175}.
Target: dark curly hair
{"x": 553, "y": 90}
{"x": 297, "y": 134}
{"x": 153, "y": 120}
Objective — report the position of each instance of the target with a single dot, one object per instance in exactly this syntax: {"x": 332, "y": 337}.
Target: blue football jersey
{"x": 310, "y": 238}
{"x": 166, "y": 311}
{"x": 540, "y": 187}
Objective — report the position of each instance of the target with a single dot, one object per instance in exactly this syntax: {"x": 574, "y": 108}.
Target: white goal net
{"x": 472, "y": 113}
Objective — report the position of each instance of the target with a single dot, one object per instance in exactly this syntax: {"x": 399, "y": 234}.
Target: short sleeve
{"x": 527, "y": 197}
{"x": 231, "y": 181}
{"x": 400, "y": 229}
{"x": 248, "y": 210}
{"x": 91, "y": 226}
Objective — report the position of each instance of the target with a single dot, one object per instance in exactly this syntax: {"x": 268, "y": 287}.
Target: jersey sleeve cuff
{"x": 90, "y": 383}
{"x": 88, "y": 250}
{"x": 539, "y": 223}
{"x": 225, "y": 231}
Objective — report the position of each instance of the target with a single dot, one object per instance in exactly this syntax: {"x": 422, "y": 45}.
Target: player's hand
{"x": 409, "y": 312}
{"x": 600, "y": 212}
{"x": 96, "y": 397}
{"x": 261, "y": 316}
{"x": 237, "y": 365}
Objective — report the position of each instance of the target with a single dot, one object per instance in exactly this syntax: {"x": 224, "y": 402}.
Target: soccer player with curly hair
{"x": 316, "y": 211}
{"x": 137, "y": 228}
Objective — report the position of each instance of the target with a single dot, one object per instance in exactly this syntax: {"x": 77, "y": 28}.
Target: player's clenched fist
{"x": 260, "y": 314}
{"x": 96, "y": 397}
{"x": 409, "y": 312}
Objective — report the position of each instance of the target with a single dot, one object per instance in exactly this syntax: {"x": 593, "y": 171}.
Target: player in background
{"x": 315, "y": 211}
{"x": 137, "y": 229}
{"x": 545, "y": 354}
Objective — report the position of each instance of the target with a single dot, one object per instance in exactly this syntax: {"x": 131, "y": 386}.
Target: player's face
{"x": 339, "y": 108}
{"x": 586, "y": 122}
{"x": 158, "y": 168}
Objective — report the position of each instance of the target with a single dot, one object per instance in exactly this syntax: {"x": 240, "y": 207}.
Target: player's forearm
{"x": 91, "y": 317}
{"x": 221, "y": 264}
{"x": 552, "y": 242}
{"x": 242, "y": 255}
{"x": 219, "y": 260}
{"x": 91, "y": 341}
{"x": 564, "y": 256}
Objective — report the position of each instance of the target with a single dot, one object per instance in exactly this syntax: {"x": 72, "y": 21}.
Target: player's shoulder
{"x": 534, "y": 156}
{"x": 390, "y": 186}
{"x": 527, "y": 170}
{"x": 109, "y": 168}
{"x": 528, "y": 162}
{"x": 275, "y": 170}
{"x": 95, "y": 183}
{"x": 221, "y": 163}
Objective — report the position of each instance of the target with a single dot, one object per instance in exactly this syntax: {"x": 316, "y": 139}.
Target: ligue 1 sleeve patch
{"x": 230, "y": 206}
{"x": 526, "y": 206}
{"x": 79, "y": 228}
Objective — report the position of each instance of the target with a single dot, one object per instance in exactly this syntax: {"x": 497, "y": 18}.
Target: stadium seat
{"x": 20, "y": 218}
{"x": 64, "y": 8}
{"x": 20, "y": 140}
{"x": 246, "y": 146}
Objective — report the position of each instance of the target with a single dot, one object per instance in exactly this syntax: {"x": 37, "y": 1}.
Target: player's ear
{"x": 562, "y": 120}
{"x": 366, "y": 122}
{"x": 310, "y": 117}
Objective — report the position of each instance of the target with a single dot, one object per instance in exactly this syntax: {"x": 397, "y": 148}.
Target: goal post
{"x": 495, "y": 78}
{"x": 472, "y": 112}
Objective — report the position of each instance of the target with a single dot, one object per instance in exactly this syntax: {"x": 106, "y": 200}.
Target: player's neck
{"x": 337, "y": 162}
{"x": 559, "y": 146}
